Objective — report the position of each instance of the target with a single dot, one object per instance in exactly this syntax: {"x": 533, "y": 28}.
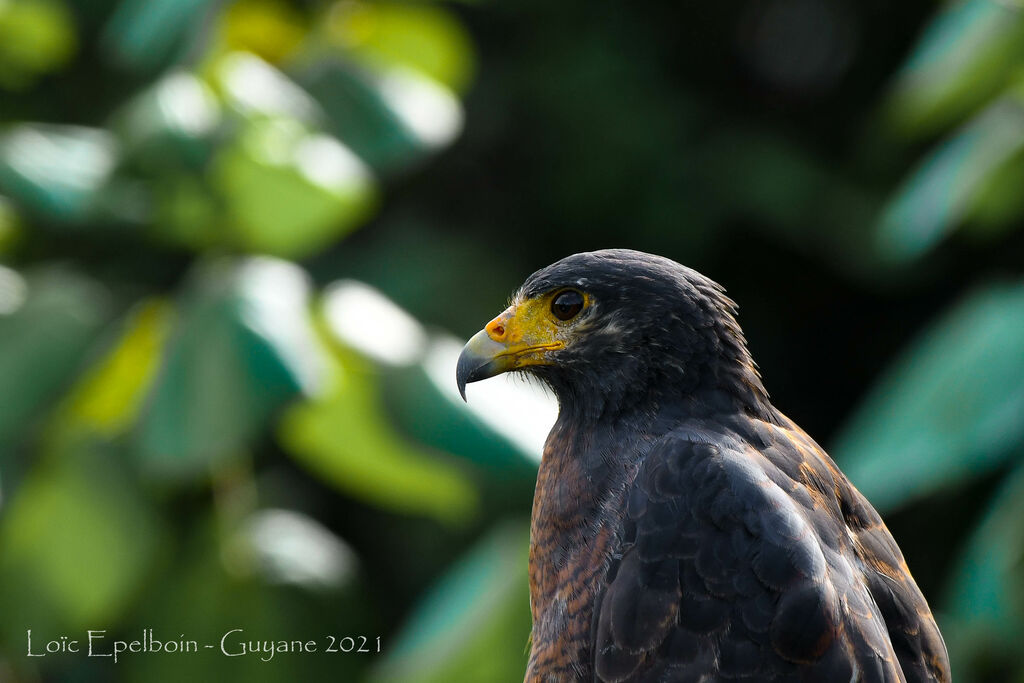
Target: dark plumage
{"x": 683, "y": 528}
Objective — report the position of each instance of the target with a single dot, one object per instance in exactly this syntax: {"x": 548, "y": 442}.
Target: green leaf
{"x": 170, "y": 123}
{"x": 57, "y": 171}
{"x": 948, "y": 409}
{"x": 106, "y": 400}
{"x": 146, "y": 34}
{"x": 242, "y": 347}
{"x": 345, "y": 438}
{"x": 389, "y": 119}
{"x": 411, "y": 35}
{"x": 964, "y": 57}
{"x": 941, "y": 191}
{"x": 272, "y": 29}
{"x": 255, "y": 89}
{"x": 188, "y": 212}
{"x": 48, "y": 321}
{"x": 986, "y": 597}
{"x": 467, "y": 627}
{"x": 10, "y": 225}
{"x": 76, "y": 542}
{"x": 291, "y": 192}
{"x": 36, "y": 37}
{"x": 501, "y": 428}
{"x": 998, "y": 202}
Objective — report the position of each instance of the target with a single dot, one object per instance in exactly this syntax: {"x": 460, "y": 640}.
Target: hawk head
{"x": 617, "y": 329}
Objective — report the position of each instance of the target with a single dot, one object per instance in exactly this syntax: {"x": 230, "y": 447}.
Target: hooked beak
{"x": 481, "y": 358}
{"x": 521, "y": 336}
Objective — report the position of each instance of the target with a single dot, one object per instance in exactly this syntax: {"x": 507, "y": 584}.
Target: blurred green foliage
{"x": 232, "y": 235}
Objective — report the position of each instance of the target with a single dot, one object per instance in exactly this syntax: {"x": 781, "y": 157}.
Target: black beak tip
{"x": 464, "y": 372}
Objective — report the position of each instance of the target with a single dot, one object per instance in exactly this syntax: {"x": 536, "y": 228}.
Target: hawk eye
{"x": 567, "y": 305}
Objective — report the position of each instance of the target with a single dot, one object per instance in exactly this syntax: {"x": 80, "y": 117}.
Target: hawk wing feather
{"x": 760, "y": 563}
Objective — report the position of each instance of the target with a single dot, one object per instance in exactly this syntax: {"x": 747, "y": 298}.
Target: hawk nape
{"x": 683, "y": 528}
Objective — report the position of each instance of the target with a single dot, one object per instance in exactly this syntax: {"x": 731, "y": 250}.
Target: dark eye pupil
{"x": 567, "y": 304}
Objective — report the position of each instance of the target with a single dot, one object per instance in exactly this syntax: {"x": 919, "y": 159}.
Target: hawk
{"x": 683, "y": 528}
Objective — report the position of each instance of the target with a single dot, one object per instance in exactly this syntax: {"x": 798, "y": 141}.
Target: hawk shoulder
{"x": 737, "y": 560}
